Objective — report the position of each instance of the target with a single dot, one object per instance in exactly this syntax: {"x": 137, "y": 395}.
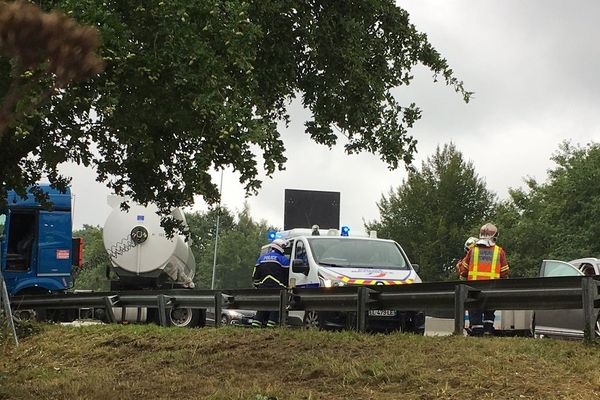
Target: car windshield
{"x": 363, "y": 253}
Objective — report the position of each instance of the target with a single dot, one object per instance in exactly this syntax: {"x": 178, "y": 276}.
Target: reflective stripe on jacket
{"x": 486, "y": 262}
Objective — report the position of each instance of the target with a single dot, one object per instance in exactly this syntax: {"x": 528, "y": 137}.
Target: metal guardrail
{"x": 456, "y": 297}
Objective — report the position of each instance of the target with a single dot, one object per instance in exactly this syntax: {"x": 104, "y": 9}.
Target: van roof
{"x": 297, "y": 232}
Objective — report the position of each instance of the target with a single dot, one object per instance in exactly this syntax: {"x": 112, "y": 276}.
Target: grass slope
{"x": 149, "y": 362}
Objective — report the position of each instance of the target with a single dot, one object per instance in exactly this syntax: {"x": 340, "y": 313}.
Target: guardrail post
{"x": 589, "y": 292}
{"x": 218, "y": 308}
{"x": 461, "y": 292}
{"x": 283, "y": 307}
{"x": 361, "y": 309}
{"x": 162, "y": 309}
{"x": 7, "y": 310}
{"x": 109, "y": 303}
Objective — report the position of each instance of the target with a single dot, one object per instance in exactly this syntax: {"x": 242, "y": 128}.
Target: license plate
{"x": 382, "y": 313}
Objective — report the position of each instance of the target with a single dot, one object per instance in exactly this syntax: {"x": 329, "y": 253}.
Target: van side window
{"x": 301, "y": 251}
{"x": 288, "y": 250}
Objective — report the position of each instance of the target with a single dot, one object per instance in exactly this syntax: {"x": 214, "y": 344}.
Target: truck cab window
{"x": 21, "y": 237}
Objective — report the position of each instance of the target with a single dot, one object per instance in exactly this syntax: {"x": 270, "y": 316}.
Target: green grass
{"x": 148, "y": 362}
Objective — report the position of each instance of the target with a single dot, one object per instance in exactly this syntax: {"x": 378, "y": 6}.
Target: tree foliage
{"x": 95, "y": 260}
{"x": 557, "y": 219}
{"x": 42, "y": 47}
{"x": 191, "y": 86}
{"x": 202, "y": 226}
{"x": 434, "y": 211}
{"x": 40, "y": 54}
{"x": 240, "y": 240}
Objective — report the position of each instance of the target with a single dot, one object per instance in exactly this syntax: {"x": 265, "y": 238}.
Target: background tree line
{"x": 440, "y": 205}
{"x": 431, "y": 214}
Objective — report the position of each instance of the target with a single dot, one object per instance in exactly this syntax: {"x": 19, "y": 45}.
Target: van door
{"x": 300, "y": 279}
{"x": 567, "y": 323}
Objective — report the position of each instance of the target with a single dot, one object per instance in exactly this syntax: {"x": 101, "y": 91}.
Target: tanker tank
{"x": 140, "y": 250}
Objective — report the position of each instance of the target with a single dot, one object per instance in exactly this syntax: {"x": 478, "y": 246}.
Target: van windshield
{"x": 361, "y": 253}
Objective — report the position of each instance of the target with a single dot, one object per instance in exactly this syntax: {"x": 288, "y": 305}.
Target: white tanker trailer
{"x": 143, "y": 257}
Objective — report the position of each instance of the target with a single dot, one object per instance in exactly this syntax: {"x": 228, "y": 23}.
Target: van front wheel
{"x": 312, "y": 320}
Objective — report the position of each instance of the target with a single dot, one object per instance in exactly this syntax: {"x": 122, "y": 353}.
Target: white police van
{"x": 326, "y": 258}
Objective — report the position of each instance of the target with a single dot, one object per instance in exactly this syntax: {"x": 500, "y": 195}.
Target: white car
{"x": 565, "y": 323}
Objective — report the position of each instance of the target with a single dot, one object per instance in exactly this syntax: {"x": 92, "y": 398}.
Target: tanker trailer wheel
{"x": 183, "y": 317}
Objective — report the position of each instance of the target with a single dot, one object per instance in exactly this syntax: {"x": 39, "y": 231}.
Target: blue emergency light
{"x": 345, "y": 230}
{"x": 271, "y": 235}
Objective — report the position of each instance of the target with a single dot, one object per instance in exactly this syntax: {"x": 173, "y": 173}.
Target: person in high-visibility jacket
{"x": 485, "y": 260}
{"x": 271, "y": 271}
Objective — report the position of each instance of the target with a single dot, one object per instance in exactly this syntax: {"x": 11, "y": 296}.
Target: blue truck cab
{"x": 36, "y": 250}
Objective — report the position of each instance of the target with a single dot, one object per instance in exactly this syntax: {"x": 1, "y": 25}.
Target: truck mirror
{"x": 300, "y": 266}
{"x": 416, "y": 267}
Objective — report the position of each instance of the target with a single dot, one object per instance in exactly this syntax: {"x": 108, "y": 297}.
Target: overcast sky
{"x": 533, "y": 66}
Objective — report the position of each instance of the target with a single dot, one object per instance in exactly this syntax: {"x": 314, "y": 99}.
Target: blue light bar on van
{"x": 272, "y": 235}
{"x": 345, "y": 231}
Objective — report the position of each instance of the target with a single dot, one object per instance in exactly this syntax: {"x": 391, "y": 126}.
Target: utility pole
{"x": 212, "y": 285}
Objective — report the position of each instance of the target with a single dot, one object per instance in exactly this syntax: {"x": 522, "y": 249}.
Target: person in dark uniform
{"x": 271, "y": 272}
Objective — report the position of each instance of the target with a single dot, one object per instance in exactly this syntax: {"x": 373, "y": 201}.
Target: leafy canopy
{"x": 240, "y": 241}
{"x": 434, "y": 211}
{"x": 190, "y": 86}
{"x": 557, "y": 219}
{"x": 93, "y": 274}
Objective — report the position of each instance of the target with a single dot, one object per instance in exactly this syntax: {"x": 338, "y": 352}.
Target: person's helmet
{"x": 279, "y": 245}
{"x": 488, "y": 231}
{"x": 470, "y": 243}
